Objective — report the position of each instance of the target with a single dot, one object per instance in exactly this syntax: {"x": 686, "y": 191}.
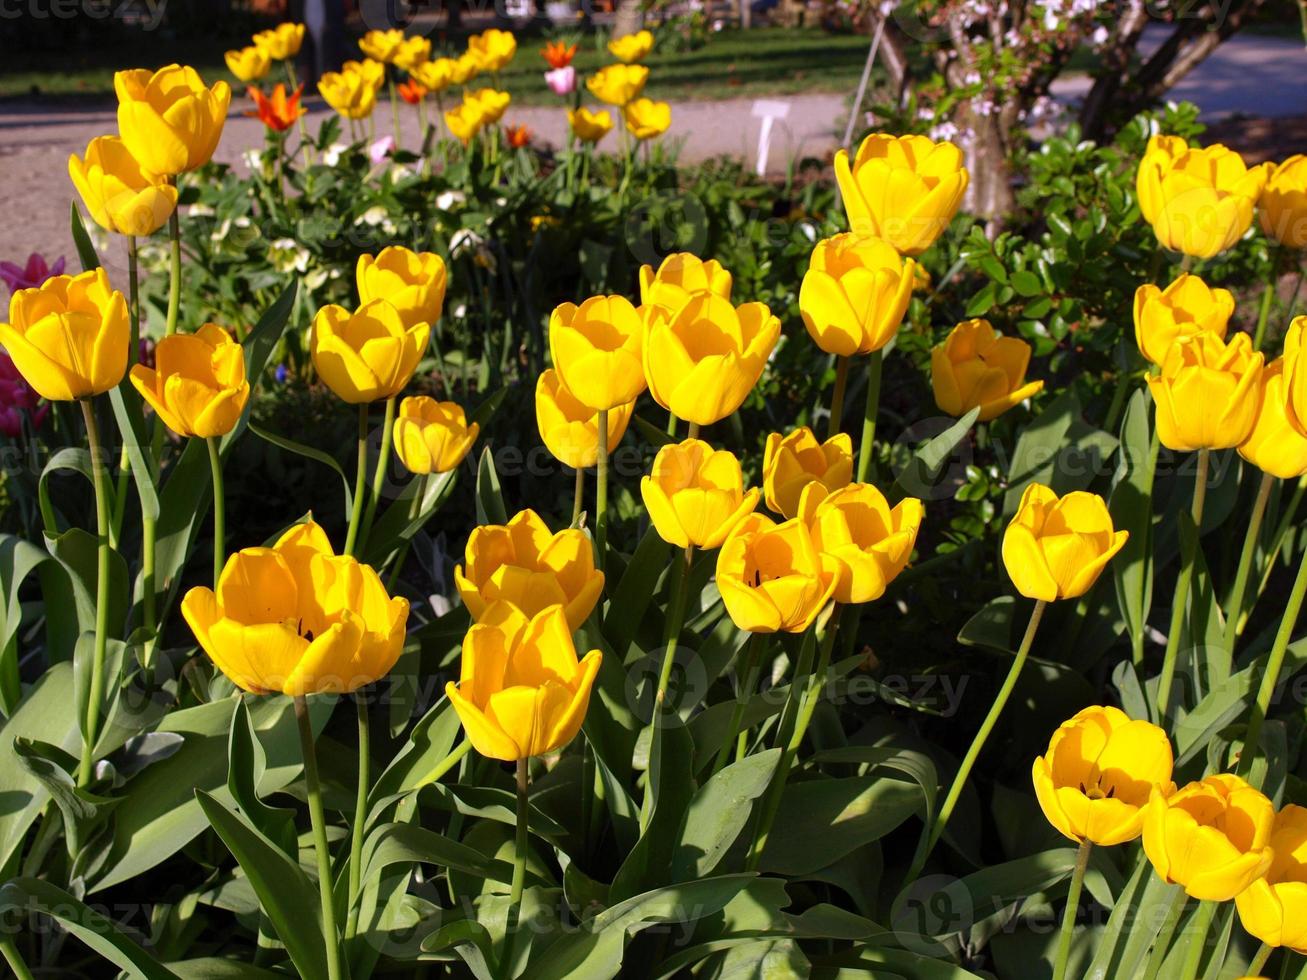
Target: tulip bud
{"x": 1186, "y": 307}
{"x": 1274, "y": 907}
{"x": 1283, "y": 204}
{"x": 569, "y": 428}
{"x": 366, "y": 355}
{"x": 587, "y": 126}
{"x": 976, "y": 367}
{"x": 618, "y": 84}
{"x": 432, "y": 436}
{"x": 169, "y": 121}
{"x": 1206, "y": 394}
{"x": 412, "y": 282}
{"x": 596, "y": 349}
{"x": 630, "y": 48}
{"x": 117, "y": 192}
{"x": 792, "y": 462}
{"x": 1275, "y": 445}
{"x": 1055, "y": 548}
{"x": 197, "y": 385}
{"x": 679, "y": 277}
{"x": 855, "y": 294}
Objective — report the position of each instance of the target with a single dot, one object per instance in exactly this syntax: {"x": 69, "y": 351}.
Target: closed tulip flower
{"x": 117, "y": 192}
{"x": 587, "y": 126}
{"x": 1206, "y": 394}
{"x": 432, "y": 436}
{"x": 282, "y": 41}
{"x": 465, "y": 120}
{"x": 869, "y": 541}
{"x": 1274, "y": 907}
{"x": 1283, "y": 204}
{"x": 618, "y": 84}
{"x": 69, "y": 336}
{"x": 702, "y": 360}
{"x": 791, "y": 462}
{"x": 248, "y": 64}
{"x": 1275, "y": 446}
{"x": 197, "y": 385}
{"x": 855, "y": 293}
{"x": 772, "y": 577}
{"x": 521, "y": 691}
{"x": 412, "y": 282}
{"x": 466, "y": 68}
{"x": 524, "y": 564}
{"x": 492, "y": 49}
{"x": 1210, "y": 837}
{"x": 695, "y": 495}
{"x": 904, "y": 189}
{"x": 493, "y": 103}
{"x": 412, "y": 52}
{"x": 170, "y": 122}
{"x": 569, "y": 428}
{"x": 366, "y": 355}
{"x": 1199, "y": 200}
{"x": 1098, "y": 773}
{"x": 1055, "y": 548}
{"x": 351, "y": 92}
{"x": 630, "y": 48}
{"x": 976, "y": 367}
{"x": 1186, "y": 307}
{"x": 596, "y": 348}
{"x": 1295, "y": 372}
{"x": 679, "y": 277}
{"x": 382, "y": 45}
{"x": 298, "y": 619}
{"x": 435, "y": 76}
{"x": 646, "y": 119}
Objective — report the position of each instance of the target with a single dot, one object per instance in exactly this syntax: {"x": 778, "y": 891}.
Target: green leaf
{"x": 1131, "y": 506}
{"x": 490, "y": 498}
{"x": 1026, "y": 283}
{"x": 246, "y": 766}
{"x": 262, "y": 340}
{"x": 18, "y": 559}
{"x": 717, "y": 814}
{"x": 635, "y": 592}
{"x": 651, "y": 433}
{"x": 1058, "y": 449}
{"x": 52, "y": 766}
{"x": 401, "y": 843}
{"x": 917, "y": 477}
{"x": 398, "y": 525}
{"x": 671, "y": 786}
{"x": 131, "y": 423}
{"x": 85, "y": 250}
{"x": 427, "y": 745}
{"x": 308, "y": 452}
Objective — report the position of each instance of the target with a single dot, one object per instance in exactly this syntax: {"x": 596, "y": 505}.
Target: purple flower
{"x": 561, "y": 81}
{"x": 32, "y": 275}
{"x": 17, "y": 397}
{"x": 381, "y": 149}
{"x": 281, "y": 374}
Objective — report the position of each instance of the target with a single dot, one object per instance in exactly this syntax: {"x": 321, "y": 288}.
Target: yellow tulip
{"x": 703, "y": 359}
{"x": 432, "y": 436}
{"x": 1199, "y": 200}
{"x": 373, "y": 72}
{"x": 569, "y": 428}
{"x": 465, "y": 120}
{"x": 904, "y": 189}
{"x": 772, "y": 577}
{"x": 1274, "y": 907}
{"x": 596, "y": 349}
{"x": 118, "y": 193}
{"x": 855, "y": 293}
{"x": 352, "y": 92}
{"x": 248, "y": 64}
{"x": 466, "y": 67}
{"x": 198, "y": 384}
{"x": 492, "y": 103}
{"x": 170, "y": 122}
{"x": 412, "y": 282}
{"x": 791, "y": 462}
{"x": 695, "y": 495}
{"x": 631, "y": 47}
{"x": 587, "y": 126}
{"x": 646, "y": 119}
{"x": 1186, "y": 307}
{"x": 680, "y": 276}
{"x": 1275, "y": 445}
{"x": 366, "y": 355}
{"x": 1206, "y": 394}
{"x": 69, "y": 336}
{"x": 1096, "y": 777}
{"x": 298, "y": 619}
{"x": 523, "y": 564}
{"x": 492, "y": 49}
{"x": 1055, "y": 548}
{"x": 1295, "y": 373}
{"x": 282, "y": 41}
{"x": 382, "y": 45}
{"x": 412, "y": 52}
{"x": 521, "y": 691}
{"x": 976, "y": 367}
{"x": 618, "y": 84}
{"x": 1211, "y": 837}
{"x": 435, "y": 76}
{"x": 869, "y": 541}
{"x": 1283, "y": 204}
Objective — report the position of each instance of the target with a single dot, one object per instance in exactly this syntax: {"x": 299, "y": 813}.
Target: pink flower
{"x": 561, "y": 81}
{"x": 16, "y": 396}
{"x": 381, "y": 149}
{"x": 32, "y": 275}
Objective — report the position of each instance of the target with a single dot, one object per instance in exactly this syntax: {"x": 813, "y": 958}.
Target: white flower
{"x": 332, "y": 154}
{"x": 463, "y": 240}
{"x": 200, "y": 211}
{"x": 448, "y": 200}
{"x": 399, "y": 172}
{"x": 372, "y": 217}
{"x": 287, "y": 255}
{"x": 253, "y": 160}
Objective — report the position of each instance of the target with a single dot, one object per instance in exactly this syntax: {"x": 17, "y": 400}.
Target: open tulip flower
{"x": 352, "y": 91}
{"x": 695, "y": 495}
{"x": 432, "y": 436}
{"x": 1056, "y": 547}
{"x": 647, "y": 119}
{"x": 118, "y": 193}
{"x": 589, "y": 127}
{"x": 791, "y": 462}
{"x": 679, "y": 277}
{"x": 69, "y": 336}
{"x": 772, "y": 577}
{"x": 197, "y": 385}
{"x": 369, "y": 354}
{"x": 630, "y": 48}
{"x": 1186, "y": 307}
{"x": 558, "y": 54}
{"x": 465, "y": 120}
{"x": 411, "y": 91}
{"x": 248, "y": 64}
{"x": 1274, "y": 907}
{"x": 618, "y": 84}
{"x": 1206, "y": 394}
{"x": 281, "y": 42}
{"x": 382, "y": 45}
{"x": 277, "y": 111}
{"x": 1275, "y": 445}
{"x": 412, "y": 282}
{"x": 855, "y": 294}
{"x": 466, "y": 68}
{"x": 524, "y": 564}
{"x": 412, "y": 51}
{"x": 976, "y": 367}
{"x": 870, "y": 541}
{"x": 521, "y": 691}
{"x": 1098, "y": 774}
{"x": 703, "y": 359}
{"x": 1283, "y": 204}
{"x": 596, "y": 349}
{"x": 434, "y": 76}
{"x": 904, "y": 189}
{"x": 492, "y": 49}
{"x": 298, "y": 619}
{"x": 569, "y": 428}
{"x": 1210, "y": 837}
{"x": 492, "y": 103}
{"x": 169, "y": 120}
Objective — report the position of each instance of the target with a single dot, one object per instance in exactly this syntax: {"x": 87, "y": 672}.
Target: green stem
{"x": 304, "y": 133}
{"x": 748, "y": 683}
{"x": 837, "y": 396}
{"x": 95, "y": 695}
{"x": 671, "y": 424}
{"x": 1268, "y": 296}
{"x": 1259, "y": 961}
{"x": 1278, "y": 541}
{"x": 149, "y": 535}
{"x": 360, "y": 817}
{"x": 1072, "y": 906}
{"x": 9, "y": 949}
{"x": 675, "y": 620}
{"x": 394, "y": 107}
{"x": 578, "y": 497}
{"x": 414, "y": 511}
{"x": 1137, "y": 636}
{"x": 1182, "y": 583}
{"x": 313, "y": 788}
{"x": 1237, "y": 595}
{"x": 1197, "y": 943}
{"x": 379, "y": 474}
{"x": 519, "y": 869}
{"x": 360, "y": 482}
{"x": 219, "y": 511}
{"x": 174, "y": 270}
{"x": 931, "y": 837}
{"x": 601, "y": 493}
{"x": 1162, "y": 944}
{"x": 869, "y": 414}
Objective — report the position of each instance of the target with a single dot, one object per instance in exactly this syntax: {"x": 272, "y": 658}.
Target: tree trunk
{"x": 629, "y": 18}
{"x": 989, "y": 194}
{"x": 746, "y": 14}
